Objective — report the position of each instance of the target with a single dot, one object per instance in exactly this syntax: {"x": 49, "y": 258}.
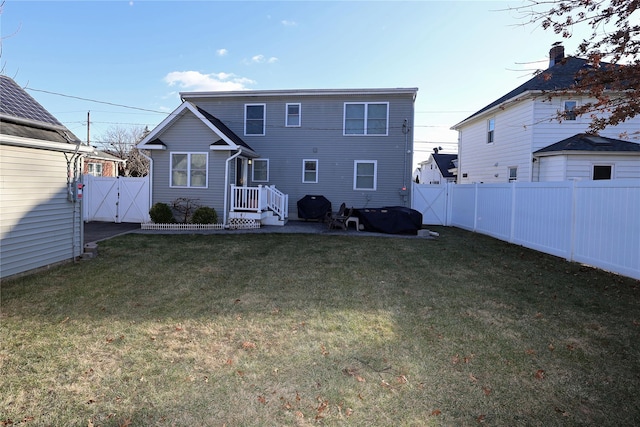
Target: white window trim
{"x": 264, "y": 119}
{"x": 366, "y": 114}
{"x": 355, "y": 175}
{"x": 189, "y": 154}
{"x": 253, "y": 170}
{"x": 303, "y": 171}
{"x": 286, "y": 115}
{"x": 490, "y": 131}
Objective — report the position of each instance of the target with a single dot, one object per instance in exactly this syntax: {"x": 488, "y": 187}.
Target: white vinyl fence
{"x": 592, "y": 222}
{"x": 121, "y": 199}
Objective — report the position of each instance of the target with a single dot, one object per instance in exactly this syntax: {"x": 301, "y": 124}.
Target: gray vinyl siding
{"x": 39, "y": 225}
{"x": 320, "y": 137}
{"x": 189, "y": 134}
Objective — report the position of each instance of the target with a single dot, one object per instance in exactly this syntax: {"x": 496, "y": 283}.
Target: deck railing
{"x": 259, "y": 199}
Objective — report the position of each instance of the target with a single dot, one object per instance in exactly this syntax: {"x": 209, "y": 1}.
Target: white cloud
{"x": 196, "y": 81}
{"x": 222, "y": 52}
{"x": 289, "y": 23}
{"x": 261, "y": 59}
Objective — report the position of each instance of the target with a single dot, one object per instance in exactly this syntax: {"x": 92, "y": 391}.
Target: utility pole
{"x": 88, "y": 125}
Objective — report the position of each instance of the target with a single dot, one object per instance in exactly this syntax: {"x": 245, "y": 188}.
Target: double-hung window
{"x": 513, "y": 174}
{"x": 569, "y": 108}
{"x": 309, "y": 170}
{"x": 260, "y": 170}
{"x": 365, "y": 174}
{"x": 254, "y": 119}
{"x": 491, "y": 128}
{"x": 366, "y": 118}
{"x": 293, "y": 118}
{"x": 189, "y": 170}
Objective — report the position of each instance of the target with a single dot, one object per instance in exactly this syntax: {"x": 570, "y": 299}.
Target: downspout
{"x": 72, "y": 179}
{"x": 226, "y": 183}
{"x": 150, "y": 177}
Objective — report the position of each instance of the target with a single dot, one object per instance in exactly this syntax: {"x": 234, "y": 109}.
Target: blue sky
{"x": 461, "y": 55}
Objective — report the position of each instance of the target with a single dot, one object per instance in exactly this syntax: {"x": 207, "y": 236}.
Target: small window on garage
{"x": 602, "y": 172}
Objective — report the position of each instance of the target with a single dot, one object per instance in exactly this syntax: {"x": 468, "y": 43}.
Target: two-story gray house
{"x": 254, "y": 154}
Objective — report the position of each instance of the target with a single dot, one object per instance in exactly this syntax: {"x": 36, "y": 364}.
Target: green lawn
{"x": 281, "y": 329}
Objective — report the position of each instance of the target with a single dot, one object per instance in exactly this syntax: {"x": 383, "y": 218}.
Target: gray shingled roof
{"x": 590, "y": 142}
{"x": 558, "y": 77}
{"x": 16, "y": 102}
{"x": 224, "y": 129}
{"x": 23, "y": 116}
{"x": 444, "y": 162}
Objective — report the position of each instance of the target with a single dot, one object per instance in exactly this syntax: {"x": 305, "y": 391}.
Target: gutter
{"x": 45, "y": 145}
{"x": 150, "y": 176}
{"x": 226, "y": 183}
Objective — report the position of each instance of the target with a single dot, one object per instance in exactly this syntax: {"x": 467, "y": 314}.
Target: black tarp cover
{"x": 391, "y": 220}
{"x": 313, "y": 207}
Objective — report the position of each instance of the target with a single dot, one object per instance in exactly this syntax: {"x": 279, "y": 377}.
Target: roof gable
{"x": 560, "y": 76}
{"x": 590, "y": 142}
{"x": 228, "y": 139}
{"x": 445, "y": 162}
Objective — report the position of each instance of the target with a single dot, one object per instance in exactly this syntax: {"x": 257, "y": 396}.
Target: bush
{"x": 205, "y": 215}
{"x": 161, "y": 213}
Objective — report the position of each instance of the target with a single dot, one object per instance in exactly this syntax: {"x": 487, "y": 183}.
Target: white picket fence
{"x": 591, "y": 222}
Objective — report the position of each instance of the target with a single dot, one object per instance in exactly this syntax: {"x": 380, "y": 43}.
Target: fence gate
{"x": 118, "y": 199}
{"x": 431, "y": 201}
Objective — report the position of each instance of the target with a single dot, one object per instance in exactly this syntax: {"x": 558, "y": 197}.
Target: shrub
{"x": 205, "y": 215}
{"x": 161, "y": 213}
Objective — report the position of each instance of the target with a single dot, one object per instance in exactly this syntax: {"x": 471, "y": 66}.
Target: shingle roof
{"x": 589, "y": 142}
{"x": 15, "y": 102}
{"x": 558, "y": 77}
{"x": 224, "y": 129}
{"x": 444, "y": 162}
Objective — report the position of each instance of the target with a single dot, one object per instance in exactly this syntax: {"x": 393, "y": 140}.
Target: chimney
{"x": 556, "y": 54}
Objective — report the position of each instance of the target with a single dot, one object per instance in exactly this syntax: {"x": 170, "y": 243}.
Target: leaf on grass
{"x": 486, "y": 390}
{"x": 90, "y": 423}
{"x": 530, "y": 351}
{"x": 473, "y": 378}
{"x": 323, "y": 350}
{"x": 436, "y": 412}
{"x": 455, "y": 359}
{"x": 480, "y": 418}
{"x": 539, "y": 315}
{"x": 540, "y": 374}
{"x": 552, "y": 347}
{"x": 571, "y": 347}
{"x": 125, "y": 423}
{"x": 229, "y": 362}
{"x": 262, "y": 400}
{"x": 179, "y": 329}
{"x": 299, "y": 414}
{"x": 248, "y": 345}
{"x": 348, "y": 412}
{"x": 402, "y": 379}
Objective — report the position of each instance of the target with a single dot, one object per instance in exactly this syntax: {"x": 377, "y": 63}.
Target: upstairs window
{"x": 189, "y": 170}
{"x": 491, "y": 128}
{"x": 254, "y": 119}
{"x": 569, "y": 109}
{"x": 260, "y": 170}
{"x": 293, "y": 115}
{"x": 366, "y": 118}
{"x": 309, "y": 171}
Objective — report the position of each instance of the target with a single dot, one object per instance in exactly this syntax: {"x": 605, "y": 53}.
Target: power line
{"x": 96, "y": 101}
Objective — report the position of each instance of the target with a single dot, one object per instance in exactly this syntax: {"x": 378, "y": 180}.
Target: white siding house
{"x": 39, "y": 159}
{"x": 436, "y": 169}
{"x": 497, "y": 143}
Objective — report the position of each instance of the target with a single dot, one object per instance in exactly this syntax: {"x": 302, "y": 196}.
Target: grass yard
{"x": 297, "y": 330}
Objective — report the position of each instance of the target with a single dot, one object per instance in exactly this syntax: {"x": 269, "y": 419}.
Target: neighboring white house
{"x": 507, "y": 140}
{"x": 40, "y": 161}
{"x": 437, "y": 169}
